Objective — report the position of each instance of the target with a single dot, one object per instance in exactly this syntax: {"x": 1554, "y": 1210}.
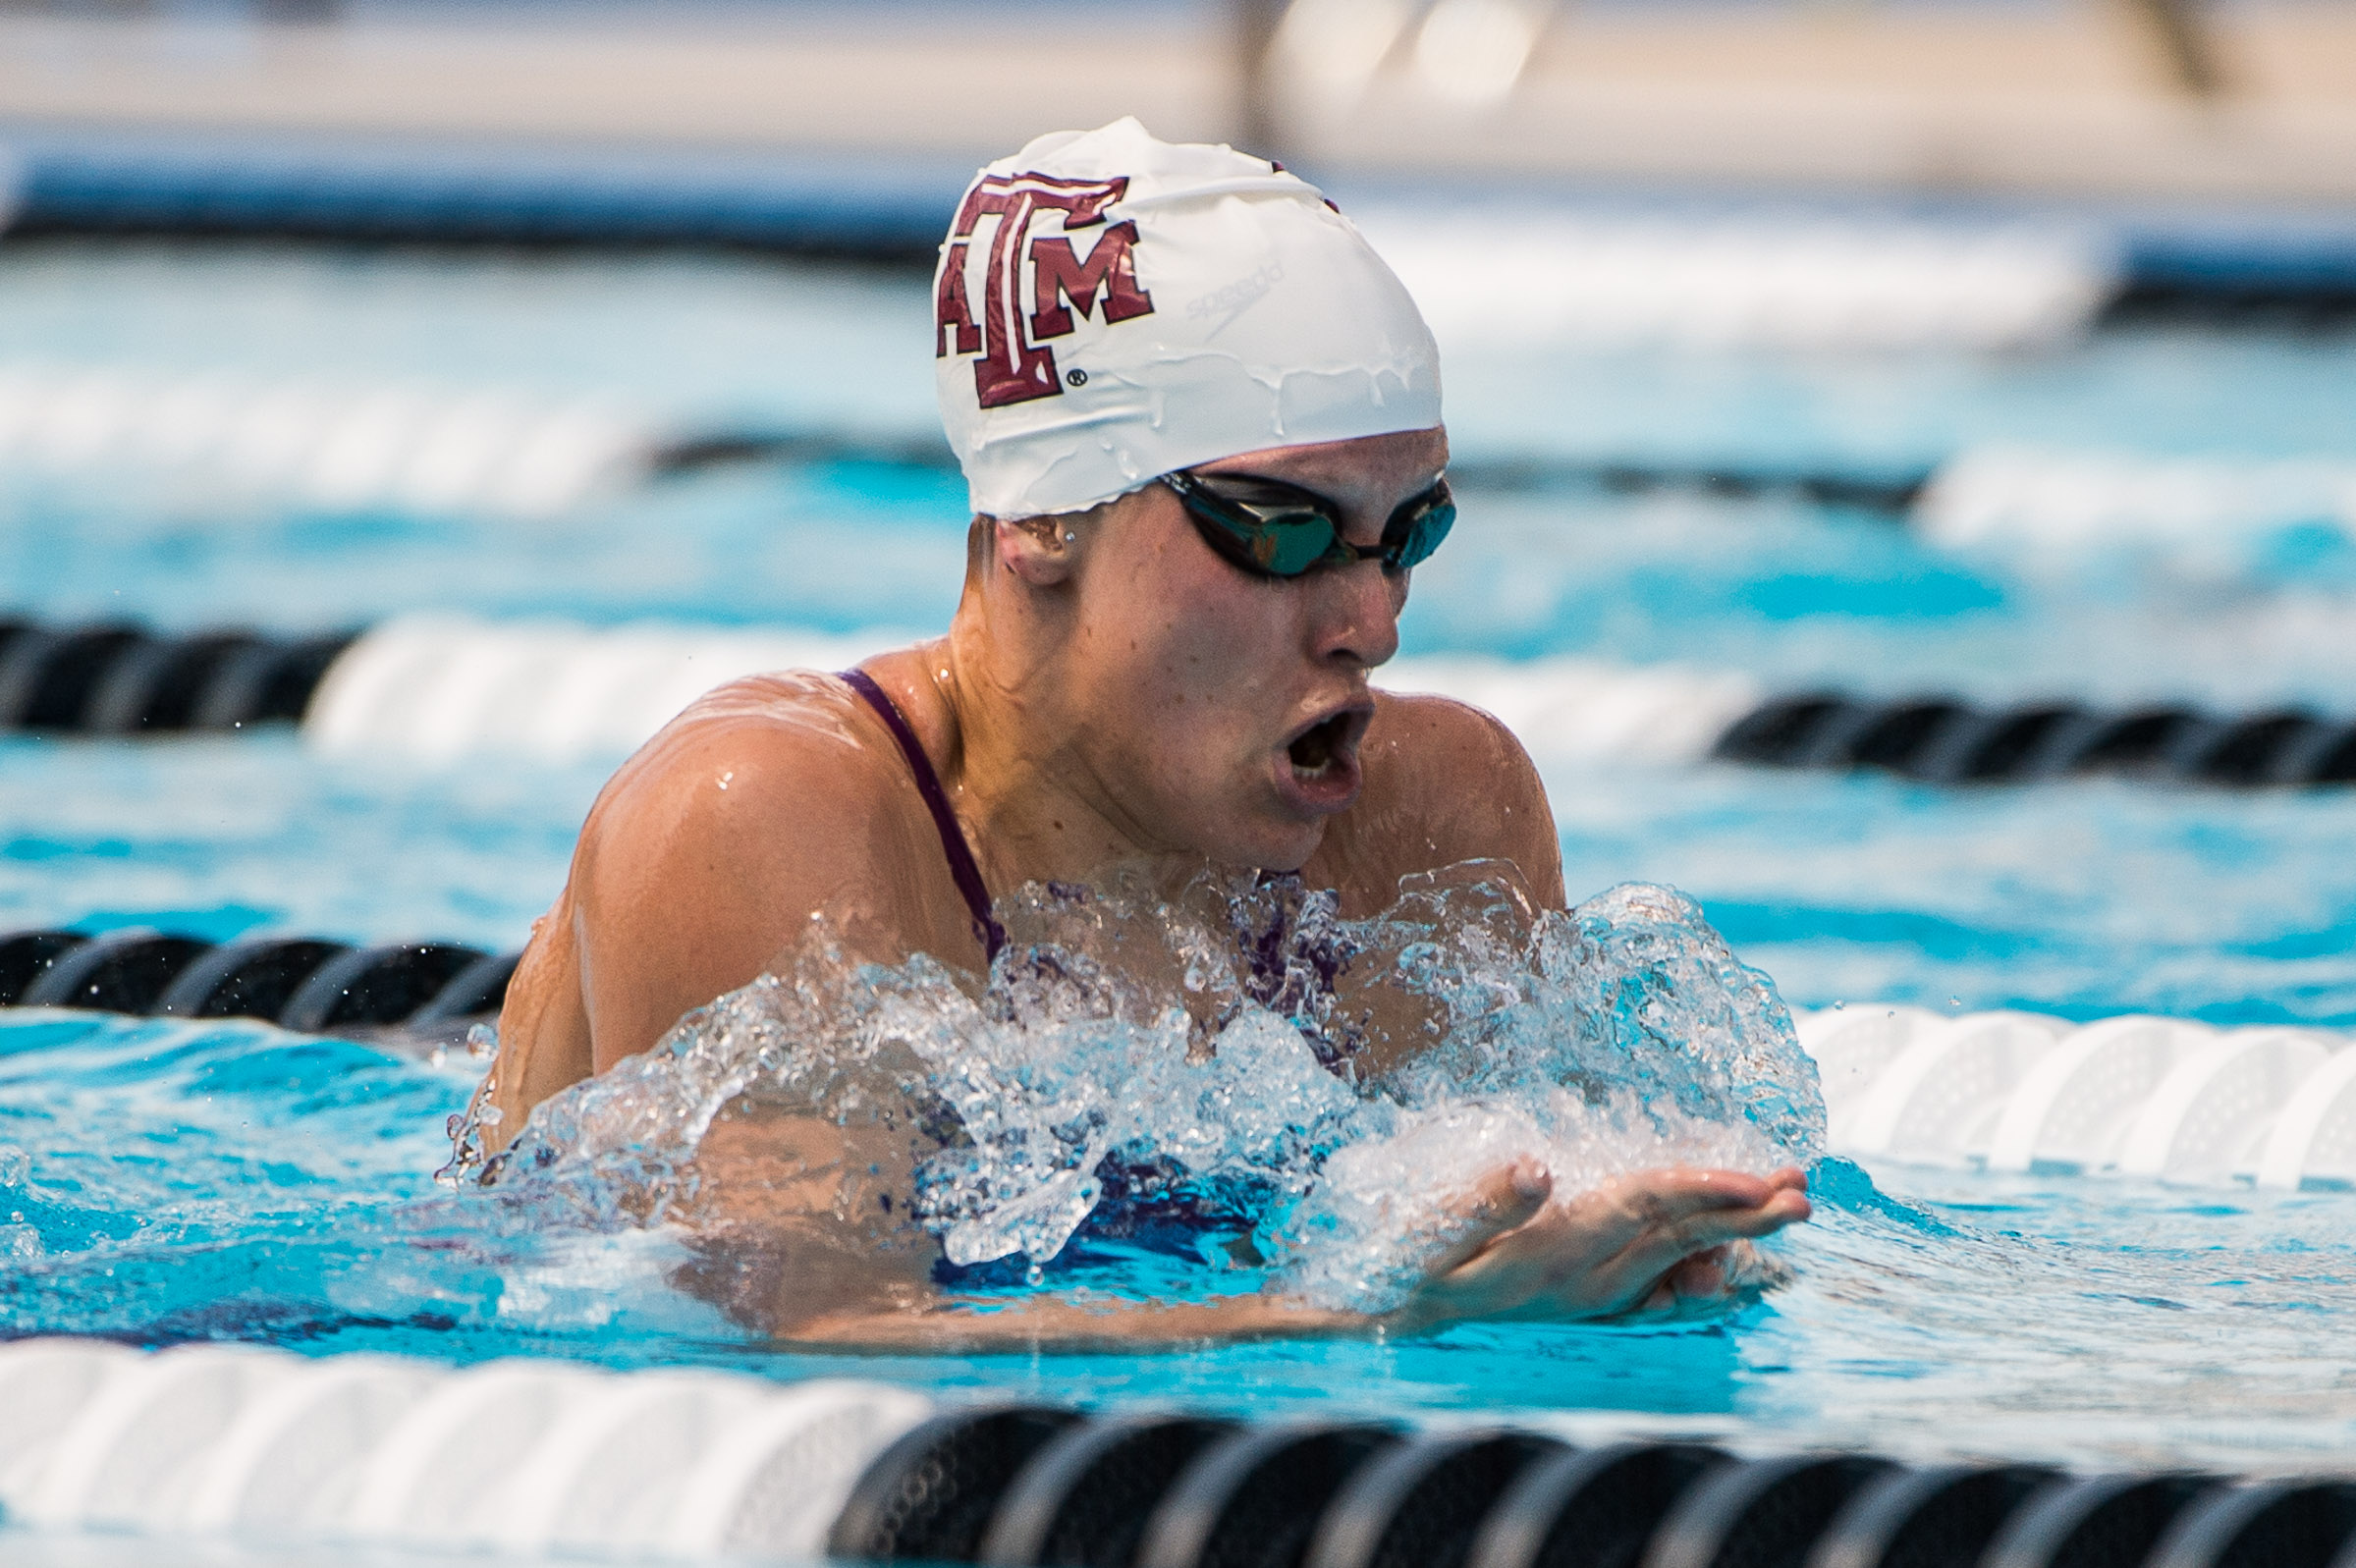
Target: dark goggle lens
{"x": 1286, "y": 537}
{"x": 1425, "y": 529}
{"x": 1292, "y": 542}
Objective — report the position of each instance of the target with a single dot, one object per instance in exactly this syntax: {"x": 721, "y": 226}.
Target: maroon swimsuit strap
{"x": 962, "y": 869}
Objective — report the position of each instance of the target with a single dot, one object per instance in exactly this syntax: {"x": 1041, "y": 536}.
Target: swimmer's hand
{"x": 1648, "y": 1242}
{"x": 1651, "y": 1242}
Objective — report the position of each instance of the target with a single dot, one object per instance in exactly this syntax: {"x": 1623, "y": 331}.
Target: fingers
{"x": 1651, "y": 1240}
{"x": 1703, "y": 1277}
{"x": 1692, "y": 1203}
{"x": 1689, "y": 1217}
{"x": 1785, "y": 1208}
{"x": 1717, "y": 1227}
{"x": 1683, "y": 1190}
{"x": 1462, "y": 1280}
{"x": 1502, "y": 1200}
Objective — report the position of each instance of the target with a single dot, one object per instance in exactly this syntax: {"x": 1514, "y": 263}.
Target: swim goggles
{"x": 1273, "y": 529}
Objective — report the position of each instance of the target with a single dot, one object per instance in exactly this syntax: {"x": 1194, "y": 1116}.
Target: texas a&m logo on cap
{"x": 1040, "y": 270}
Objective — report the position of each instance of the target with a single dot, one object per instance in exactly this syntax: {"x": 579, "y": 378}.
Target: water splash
{"x": 1229, "y": 1047}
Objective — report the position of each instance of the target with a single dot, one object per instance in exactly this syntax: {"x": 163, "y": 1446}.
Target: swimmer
{"x": 1200, "y": 423}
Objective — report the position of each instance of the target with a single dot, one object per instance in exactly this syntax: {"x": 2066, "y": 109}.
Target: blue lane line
{"x": 427, "y": 192}
{"x": 865, "y": 205}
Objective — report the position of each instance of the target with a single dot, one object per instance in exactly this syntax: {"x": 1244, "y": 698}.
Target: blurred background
{"x": 1908, "y": 446}
{"x": 1907, "y": 457}
{"x": 2233, "y": 99}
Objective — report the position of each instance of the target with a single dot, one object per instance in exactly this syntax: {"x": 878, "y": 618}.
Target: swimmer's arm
{"x": 1652, "y": 1242}
{"x": 969, "y": 1327}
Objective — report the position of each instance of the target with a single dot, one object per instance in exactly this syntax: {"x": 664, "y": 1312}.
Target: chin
{"x": 1255, "y": 824}
{"x": 1283, "y": 847}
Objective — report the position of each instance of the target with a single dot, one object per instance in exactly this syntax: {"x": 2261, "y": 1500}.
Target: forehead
{"x": 1404, "y": 461}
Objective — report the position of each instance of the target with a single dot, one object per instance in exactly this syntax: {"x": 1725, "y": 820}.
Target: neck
{"x": 1008, "y": 743}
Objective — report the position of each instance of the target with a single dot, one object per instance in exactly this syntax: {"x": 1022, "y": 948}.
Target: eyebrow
{"x": 1426, "y": 488}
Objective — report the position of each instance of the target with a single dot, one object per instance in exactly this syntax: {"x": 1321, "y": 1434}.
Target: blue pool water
{"x": 167, "y": 1181}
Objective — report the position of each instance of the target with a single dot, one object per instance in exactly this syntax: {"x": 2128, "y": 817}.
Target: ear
{"x": 1043, "y": 552}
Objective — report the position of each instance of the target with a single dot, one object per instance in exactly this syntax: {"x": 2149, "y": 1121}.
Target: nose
{"x": 1354, "y": 614}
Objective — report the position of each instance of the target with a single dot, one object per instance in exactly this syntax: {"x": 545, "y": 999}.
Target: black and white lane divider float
{"x": 439, "y": 690}
{"x": 299, "y": 982}
{"x": 2165, "y": 1099}
{"x": 1948, "y": 740}
{"x": 364, "y": 1450}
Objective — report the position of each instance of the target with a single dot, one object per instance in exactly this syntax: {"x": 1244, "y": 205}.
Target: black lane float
{"x": 1949, "y": 741}
{"x": 1018, "y": 1485}
{"x": 299, "y": 982}
{"x": 119, "y": 680}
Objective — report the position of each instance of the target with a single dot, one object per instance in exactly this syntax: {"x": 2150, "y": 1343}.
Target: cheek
{"x": 1190, "y": 656}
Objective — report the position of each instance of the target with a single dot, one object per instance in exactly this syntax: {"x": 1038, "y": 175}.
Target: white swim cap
{"x": 1109, "y": 308}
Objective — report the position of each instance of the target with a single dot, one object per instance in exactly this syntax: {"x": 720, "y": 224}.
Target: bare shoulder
{"x": 750, "y": 776}
{"x": 1430, "y": 733}
{"x": 704, "y": 856}
{"x": 1446, "y": 782}
{"x": 770, "y": 802}
{"x": 740, "y": 752}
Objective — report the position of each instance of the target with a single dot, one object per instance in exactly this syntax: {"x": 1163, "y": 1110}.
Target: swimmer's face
{"x": 1223, "y": 710}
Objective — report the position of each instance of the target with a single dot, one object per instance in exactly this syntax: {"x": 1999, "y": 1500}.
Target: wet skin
{"x": 1110, "y": 692}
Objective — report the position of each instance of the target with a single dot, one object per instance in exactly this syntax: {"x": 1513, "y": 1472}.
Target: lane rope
{"x": 326, "y": 442}
{"x": 347, "y": 443}
{"x": 2164, "y": 1098}
{"x": 367, "y": 1450}
{"x": 440, "y": 689}
{"x": 298, "y": 983}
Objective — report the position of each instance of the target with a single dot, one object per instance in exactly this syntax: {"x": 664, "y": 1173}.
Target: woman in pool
{"x": 1200, "y": 421}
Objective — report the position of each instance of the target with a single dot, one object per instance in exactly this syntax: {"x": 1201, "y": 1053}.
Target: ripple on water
{"x": 230, "y": 1181}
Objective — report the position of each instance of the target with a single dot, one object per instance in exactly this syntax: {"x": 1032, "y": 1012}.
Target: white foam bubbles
{"x": 1232, "y": 1050}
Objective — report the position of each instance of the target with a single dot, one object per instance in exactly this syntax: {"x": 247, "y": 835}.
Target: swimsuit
{"x": 1147, "y": 1202}
{"x": 1290, "y": 965}
{"x": 962, "y": 867}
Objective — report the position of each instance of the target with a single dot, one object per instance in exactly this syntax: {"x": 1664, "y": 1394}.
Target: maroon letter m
{"x": 1014, "y": 367}
{"x": 1060, "y": 279}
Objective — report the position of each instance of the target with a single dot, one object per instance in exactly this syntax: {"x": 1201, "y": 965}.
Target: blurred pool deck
{"x": 2013, "y": 100}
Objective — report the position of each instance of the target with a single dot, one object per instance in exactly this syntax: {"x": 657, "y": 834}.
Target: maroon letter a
{"x": 1013, "y": 366}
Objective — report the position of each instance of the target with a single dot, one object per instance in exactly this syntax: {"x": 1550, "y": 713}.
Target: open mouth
{"x": 1317, "y": 749}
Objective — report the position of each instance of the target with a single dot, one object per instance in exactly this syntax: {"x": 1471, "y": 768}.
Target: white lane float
{"x": 491, "y": 451}
{"x": 443, "y": 689}
{"x": 243, "y": 1441}
{"x": 1938, "y": 1093}
{"x": 1716, "y": 281}
{"x": 2033, "y": 501}
{"x": 327, "y": 442}
{"x": 2165, "y": 1099}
